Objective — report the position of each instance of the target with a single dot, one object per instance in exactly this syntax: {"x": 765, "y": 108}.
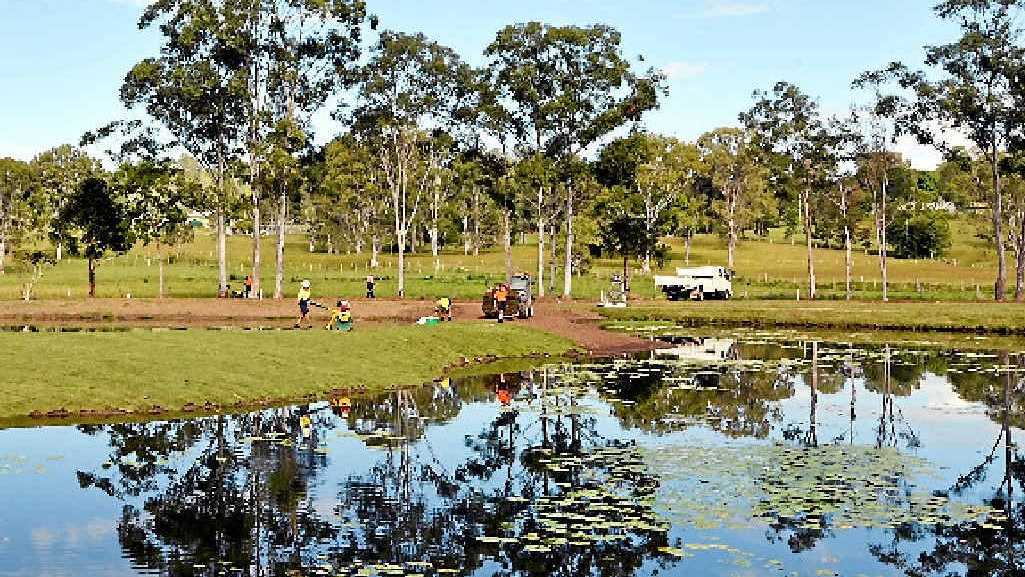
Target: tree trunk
{"x": 811, "y": 244}
{"x": 279, "y": 256}
{"x": 1019, "y": 256}
{"x": 554, "y": 261}
{"x": 848, "y": 255}
{"x": 686, "y": 244}
{"x": 541, "y": 257}
{"x": 3, "y": 253}
{"x": 91, "y": 263}
{"x": 881, "y": 234}
{"x": 849, "y": 260}
{"x": 256, "y": 244}
{"x": 375, "y": 251}
{"x": 507, "y": 243}
{"x": 567, "y": 272}
{"x": 59, "y": 250}
{"x": 160, "y": 274}
{"x": 400, "y": 237}
{"x": 476, "y": 221}
{"x": 466, "y": 235}
{"x": 1000, "y": 286}
{"x": 222, "y": 256}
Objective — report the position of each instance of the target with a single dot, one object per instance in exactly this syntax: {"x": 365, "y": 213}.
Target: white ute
{"x": 697, "y": 283}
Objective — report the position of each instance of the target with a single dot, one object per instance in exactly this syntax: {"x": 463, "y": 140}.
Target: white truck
{"x": 697, "y": 283}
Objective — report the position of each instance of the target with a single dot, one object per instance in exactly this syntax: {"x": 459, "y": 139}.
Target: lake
{"x": 744, "y": 453}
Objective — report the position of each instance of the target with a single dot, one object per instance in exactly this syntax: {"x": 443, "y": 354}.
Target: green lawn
{"x": 140, "y": 369}
{"x": 1000, "y": 318}
{"x": 771, "y": 268}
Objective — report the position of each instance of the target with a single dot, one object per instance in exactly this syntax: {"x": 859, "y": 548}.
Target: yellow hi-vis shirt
{"x": 304, "y": 294}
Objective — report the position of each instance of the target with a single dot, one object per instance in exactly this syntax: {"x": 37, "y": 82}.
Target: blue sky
{"x": 62, "y": 61}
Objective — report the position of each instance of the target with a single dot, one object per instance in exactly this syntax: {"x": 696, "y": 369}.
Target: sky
{"x": 62, "y": 61}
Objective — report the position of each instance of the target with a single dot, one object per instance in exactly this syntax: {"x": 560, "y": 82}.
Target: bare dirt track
{"x": 576, "y": 321}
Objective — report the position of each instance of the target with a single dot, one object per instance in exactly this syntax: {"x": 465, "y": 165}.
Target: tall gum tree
{"x": 196, "y": 89}
{"x": 409, "y": 83}
{"x": 787, "y": 122}
{"x": 732, "y": 165}
{"x": 973, "y": 88}
{"x": 563, "y": 88}
{"x": 302, "y": 52}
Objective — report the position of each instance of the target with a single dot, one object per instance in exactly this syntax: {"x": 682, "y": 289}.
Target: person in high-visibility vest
{"x": 443, "y": 308}
{"x": 501, "y": 300}
{"x": 304, "y": 303}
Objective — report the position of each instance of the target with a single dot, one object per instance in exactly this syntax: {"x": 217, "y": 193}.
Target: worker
{"x": 341, "y": 317}
{"x": 501, "y": 301}
{"x": 370, "y": 287}
{"x": 248, "y": 286}
{"x": 443, "y": 308}
{"x": 304, "y": 304}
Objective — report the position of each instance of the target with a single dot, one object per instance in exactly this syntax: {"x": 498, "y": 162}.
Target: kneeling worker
{"x": 443, "y": 308}
{"x": 341, "y": 317}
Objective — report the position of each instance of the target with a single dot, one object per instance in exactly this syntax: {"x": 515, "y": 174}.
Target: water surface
{"x": 753, "y": 453}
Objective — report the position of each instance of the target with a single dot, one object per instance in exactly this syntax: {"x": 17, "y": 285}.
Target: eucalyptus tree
{"x": 297, "y": 54}
{"x": 196, "y": 90}
{"x": 973, "y": 88}
{"x": 657, "y": 169}
{"x": 349, "y": 201}
{"x": 536, "y": 176}
{"x": 563, "y": 88}
{"x": 16, "y": 183}
{"x": 732, "y": 164}
{"x": 157, "y": 198}
{"x": 787, "y": 122}
{"x": 876, "y": 161}
{"x": 410, "y": 84}
{"x": 59, "y": 173}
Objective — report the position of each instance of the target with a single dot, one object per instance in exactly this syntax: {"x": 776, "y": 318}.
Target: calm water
{"x": 751, "y": 454}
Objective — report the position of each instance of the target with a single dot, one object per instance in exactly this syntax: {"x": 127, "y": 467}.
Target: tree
{"x": 623, "y": 227}
{"x": 656, "y": 168}
{"x": 977, "y": 93}
{"x": 296, "y": 53}
{"x": 59, "y": 173}
{"x": 96, "y": 221}
{"x": 919, "y": 233}
{"x": 733, "y": 167}
{"x": 561, "y": 89}
{"x": 16, "y": 181}
{"x": 157, "y": 198}
{"x": 408, "y": 83}
{"x": 196, "y": 90}
{"x": 787, "y": 122}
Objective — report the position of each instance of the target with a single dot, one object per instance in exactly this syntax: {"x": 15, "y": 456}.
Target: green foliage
{"x": 919, "y": 234}
{"x": 96, "y": 217}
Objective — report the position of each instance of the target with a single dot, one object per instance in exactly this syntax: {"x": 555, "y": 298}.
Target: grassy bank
{"x": 172, "y": 371}
{"x": 996, "y": 318}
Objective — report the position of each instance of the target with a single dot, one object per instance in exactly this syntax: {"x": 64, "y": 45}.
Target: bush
{"x": 923, "y": 234}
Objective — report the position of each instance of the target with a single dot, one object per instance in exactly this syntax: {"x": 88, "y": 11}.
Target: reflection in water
{"x": 743, "y": 455}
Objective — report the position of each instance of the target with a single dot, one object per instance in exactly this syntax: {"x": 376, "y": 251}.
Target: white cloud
{"x": 683, "y": 70}
{"x": 735, "y": 8}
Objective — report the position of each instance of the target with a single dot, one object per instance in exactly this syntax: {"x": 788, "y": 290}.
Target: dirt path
{"x": 570, "y": 320}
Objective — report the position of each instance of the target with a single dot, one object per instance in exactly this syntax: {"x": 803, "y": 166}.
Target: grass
{"x": 998, "y": 318}
{"x": 138, "y": 370}
{"x": 772, "y": 268}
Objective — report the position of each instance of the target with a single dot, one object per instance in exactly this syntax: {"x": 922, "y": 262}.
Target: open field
{"x": 141, "y": 371}
{"x": 999, "y": 318}
{"x": 767, "y": 269}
